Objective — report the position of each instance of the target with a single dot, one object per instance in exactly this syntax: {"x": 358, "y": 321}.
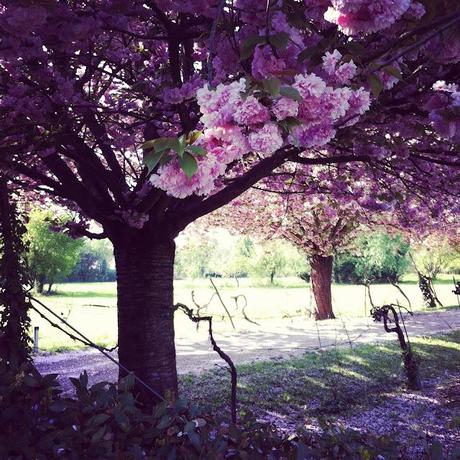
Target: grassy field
{"x": 326, "y": 383}
{"x": 91, "y": 306}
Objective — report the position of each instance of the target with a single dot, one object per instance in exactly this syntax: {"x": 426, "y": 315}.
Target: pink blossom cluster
{"x": 444, "y": 110}
{"x": 342, "y": 73}
{"x": 180, "y": 94}
{"x": 322, "y": 107}
{"x": 363, "y": 16}
{"x": 236, "y": 123}
{"x": 223, "y": 145}
{"x": 171, "y": 178}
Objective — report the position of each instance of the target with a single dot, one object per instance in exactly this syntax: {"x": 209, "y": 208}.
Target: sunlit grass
{"x": 91, "y": 307}
{"x": 327, "y": 382}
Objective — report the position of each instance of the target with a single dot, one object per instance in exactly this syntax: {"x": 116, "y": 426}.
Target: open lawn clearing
{"x": 91, "y": 306}
{"x": 282, "y": 338}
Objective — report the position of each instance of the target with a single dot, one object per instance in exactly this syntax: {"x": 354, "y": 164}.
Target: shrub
{"x": 104, "y": 421}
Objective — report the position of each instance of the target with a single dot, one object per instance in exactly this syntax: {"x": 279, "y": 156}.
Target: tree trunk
{"x": 50, "y": 288}
{"x": 40, "y": 284}
{"x": 321, "y": 279}
{"x": 146, "y": 314}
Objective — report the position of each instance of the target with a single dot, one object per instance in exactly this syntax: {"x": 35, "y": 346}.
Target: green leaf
{"x": 188, "y": 164}
{"x": 196, "y": 150}
{"x": 99, "y": 419}
{"x": 195, "y": 440}
{"x": 84, "y": 379}
{"x": 162, "y": 143}
{"x": 291, "y": 93}
{"x": 58, "y": 406}
{"x": 121, "y": 419}
{"x": 307, "y": 53}
{"x": 393, "y": 71}
{"x": 193, "y": 136}
{"x": 127, "y": 382}
{"x": 31, "y": 381}
{"x": 164, "y": 422}
{"x": 289, "y": 123}
{"x": 272, "y": 86}
{"x": 375, "y": 84}
{"x": 248, "y": 45}
{"x": 151, "y": 159}
{"x": 279, "y": 40}
{"x": 98, "y": 435}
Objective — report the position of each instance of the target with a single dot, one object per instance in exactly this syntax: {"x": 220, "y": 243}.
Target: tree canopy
{"x": 146, "y": 115}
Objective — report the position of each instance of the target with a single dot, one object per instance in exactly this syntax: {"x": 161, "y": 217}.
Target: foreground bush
{"x": 105, "y": 422}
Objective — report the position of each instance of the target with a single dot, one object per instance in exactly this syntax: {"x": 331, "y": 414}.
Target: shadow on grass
{"x": 323, "y": 383}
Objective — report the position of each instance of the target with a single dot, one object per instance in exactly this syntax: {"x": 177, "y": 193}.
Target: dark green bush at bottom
{"x": 104, "y": 421}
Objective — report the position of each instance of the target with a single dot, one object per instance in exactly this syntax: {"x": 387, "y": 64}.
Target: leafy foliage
{"x": 14, "y": 320}
{"x": 436, "y": 255}
{"x": 221, "y": 254}
{"x": 94, "y": 263}
{"x": 51, "y": 254}
{"x": 104, "y": 421}
{"x": 377, "y": 258}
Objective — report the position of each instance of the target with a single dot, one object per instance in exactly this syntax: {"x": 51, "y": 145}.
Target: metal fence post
{"x": 36, "y": 330}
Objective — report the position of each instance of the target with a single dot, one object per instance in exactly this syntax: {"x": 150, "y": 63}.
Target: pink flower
{"x": 218, "y": 106}
{"x": 330, "y": 61}
{"x": 266, "y": 140}
{"x": 365, "y": 16}
{"x": 314, "y": 135}
{"x": 359, "y": 102}
{"x": 251, "y": 112}
{"x": 265, "y": 63}
{"x": 309, "y": 85}
{"x": 172, "y": 179}
{"x": 346, "y": 72}
{"x": 285, "y": 107}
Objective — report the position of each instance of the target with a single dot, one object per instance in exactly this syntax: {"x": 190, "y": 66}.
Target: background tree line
{"x": 375, "y": 256}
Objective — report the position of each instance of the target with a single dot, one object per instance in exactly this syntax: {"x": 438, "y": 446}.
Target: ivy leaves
{"x": 160, "y": 151}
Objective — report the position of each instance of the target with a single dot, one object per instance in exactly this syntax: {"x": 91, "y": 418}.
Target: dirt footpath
{"x": 272, "y": 339}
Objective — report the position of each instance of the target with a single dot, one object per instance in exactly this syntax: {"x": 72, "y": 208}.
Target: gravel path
{"x": 272, "y": 339}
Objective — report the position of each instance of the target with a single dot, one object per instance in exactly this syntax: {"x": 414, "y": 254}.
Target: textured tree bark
{"x": 146, "y": 314}
{"x": 321, "y": 280}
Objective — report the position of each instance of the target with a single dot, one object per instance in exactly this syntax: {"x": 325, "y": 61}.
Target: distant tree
{"x": 95, "y": 262}
{"x": 436, "y": 255}
{"x": 52, "y": 254}
{"x": 377, "y": 257}
{"x": 238, "y": 263}
{"x": 194, "y": 256}
{"x": 273, "y": 258}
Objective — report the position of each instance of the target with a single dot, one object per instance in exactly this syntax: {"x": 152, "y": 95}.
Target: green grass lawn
{"x": 91, "y": 306}
{"x": 325, "y": 383}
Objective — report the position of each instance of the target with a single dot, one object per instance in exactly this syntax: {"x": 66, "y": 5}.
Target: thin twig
{"x": 212, "y": 38}
{"x": 234, "y": 376}
{"x": 222, "y": 302}
{"x": 398, "y": 287}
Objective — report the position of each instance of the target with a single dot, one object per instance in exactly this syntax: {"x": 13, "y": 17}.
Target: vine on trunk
{"x": 15, "y": 343}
